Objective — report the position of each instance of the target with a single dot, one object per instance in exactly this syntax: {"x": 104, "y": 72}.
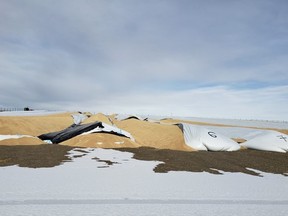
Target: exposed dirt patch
{"x": 239, "y": 161}
{"x": 79, "y": 156}
{"x": 35, "y": 156}
{"x": 81, "y": 150}
{"x": 107, "y": 162}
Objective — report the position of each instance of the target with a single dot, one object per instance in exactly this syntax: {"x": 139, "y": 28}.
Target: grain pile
{"x": 155, "y": 135}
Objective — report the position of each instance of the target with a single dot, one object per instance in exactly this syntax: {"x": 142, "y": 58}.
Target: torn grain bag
{"x": 83, "y": 129}
{"x": 70, "y": 132}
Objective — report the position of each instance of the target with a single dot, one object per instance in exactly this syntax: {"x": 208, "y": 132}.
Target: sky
{"x": 198, "y": 58}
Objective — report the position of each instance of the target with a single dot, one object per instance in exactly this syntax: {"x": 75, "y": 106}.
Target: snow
{"x": 242, "y": 123}
{"x": 4, "y": 137}
{"x": 30, "y": 113}
{"x": 130, "y": 187}
{"x": 146, "y": 209}
{"x": 234, "y": 122}
{"x": 79, "y": 118}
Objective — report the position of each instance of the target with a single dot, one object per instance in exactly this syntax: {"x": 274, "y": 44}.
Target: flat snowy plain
{"x": 130, "y": 187}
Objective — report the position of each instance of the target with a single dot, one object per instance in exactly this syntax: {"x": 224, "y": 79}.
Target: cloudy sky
{"x": 202, "y": 58}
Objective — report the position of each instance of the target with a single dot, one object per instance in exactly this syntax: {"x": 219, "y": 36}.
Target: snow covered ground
{"x": 237, "y": 122}
{"x": 88, "y": 186}
{"x": 30, "y": 113}
{"x": 243, "y": 123}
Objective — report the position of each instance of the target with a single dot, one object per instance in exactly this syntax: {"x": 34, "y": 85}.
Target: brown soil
{"x": 35, "y": 156}
{"x": 38, "y": 156}
{"x": 238, "y": 161}
{"x": 107, "y": 162}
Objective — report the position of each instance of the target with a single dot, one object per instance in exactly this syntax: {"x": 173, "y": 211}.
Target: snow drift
{"x": 200, "y": 138}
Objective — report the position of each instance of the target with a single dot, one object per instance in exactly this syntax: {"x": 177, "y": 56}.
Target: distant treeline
{"x": 9, "y": 109}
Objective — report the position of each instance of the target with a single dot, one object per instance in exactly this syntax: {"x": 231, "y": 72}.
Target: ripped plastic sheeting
{"x": 82, "y": 129}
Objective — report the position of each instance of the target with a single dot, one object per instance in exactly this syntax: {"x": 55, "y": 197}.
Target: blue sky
{"x": 222, "y": 59}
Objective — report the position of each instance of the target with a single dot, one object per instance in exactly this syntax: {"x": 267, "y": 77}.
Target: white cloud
{"x": 82, "y": 54}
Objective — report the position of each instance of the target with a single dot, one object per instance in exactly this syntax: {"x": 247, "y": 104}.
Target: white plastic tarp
{"x": 270, "y": 141}
{"x": 78, "y": 118}
{"x": 108, "y": 128}
{"x": 200, "y": 138}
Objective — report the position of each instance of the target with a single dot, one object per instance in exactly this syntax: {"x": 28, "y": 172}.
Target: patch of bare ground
{"x": 107, "y": 162}
{"x": 251, "y": 162}
{"x": 211, "y": 162}
{"x": 34, "y": 156}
